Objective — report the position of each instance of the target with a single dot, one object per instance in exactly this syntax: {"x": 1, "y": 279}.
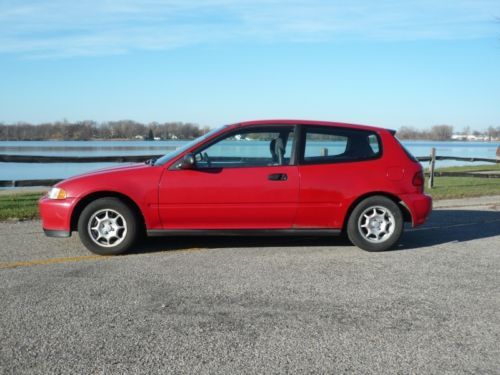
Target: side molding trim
{"x": 243, "y": 232}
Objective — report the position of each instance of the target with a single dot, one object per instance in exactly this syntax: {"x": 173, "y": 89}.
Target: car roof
{"x": 309, "y": 122}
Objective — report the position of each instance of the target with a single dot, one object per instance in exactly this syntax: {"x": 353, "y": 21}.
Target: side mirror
{"x": 187, "y": 162}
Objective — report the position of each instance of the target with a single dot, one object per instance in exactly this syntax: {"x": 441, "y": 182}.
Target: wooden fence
{"x": 432, "y": 165}
{"x": 141, "y": 158}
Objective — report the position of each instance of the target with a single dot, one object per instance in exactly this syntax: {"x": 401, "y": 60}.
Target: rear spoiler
{"x": 393, "y": 132}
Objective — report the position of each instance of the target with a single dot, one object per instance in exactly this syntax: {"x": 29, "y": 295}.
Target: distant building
{"x": 459, "y": 137}
{"x": 471, "y": 137}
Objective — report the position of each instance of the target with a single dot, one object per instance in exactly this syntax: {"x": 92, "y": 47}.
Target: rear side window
{"x": 330, "y": 145}
{"x": 320, "y": 145}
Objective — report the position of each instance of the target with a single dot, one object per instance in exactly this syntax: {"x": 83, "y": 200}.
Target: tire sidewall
{"x": 116, "y": 205}
{"x": 352, "y": 226}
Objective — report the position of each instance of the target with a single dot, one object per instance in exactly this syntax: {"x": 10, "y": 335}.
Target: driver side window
{"x": 256, "y": 147}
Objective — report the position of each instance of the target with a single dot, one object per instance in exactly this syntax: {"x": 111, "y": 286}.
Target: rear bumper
{"x": 56, "y": 216}
{"x": 419, "y": 205}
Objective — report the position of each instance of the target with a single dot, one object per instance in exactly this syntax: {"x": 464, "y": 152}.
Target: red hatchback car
{"x": 261, "y": 177}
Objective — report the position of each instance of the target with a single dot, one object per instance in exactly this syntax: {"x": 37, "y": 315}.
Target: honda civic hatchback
{"x": 278, "y": 177}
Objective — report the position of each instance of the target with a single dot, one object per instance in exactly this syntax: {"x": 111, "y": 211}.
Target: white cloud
{"x": 59, "y": 28}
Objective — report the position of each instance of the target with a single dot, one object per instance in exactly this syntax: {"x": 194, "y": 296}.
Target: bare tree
{"x": 441, "y": 132}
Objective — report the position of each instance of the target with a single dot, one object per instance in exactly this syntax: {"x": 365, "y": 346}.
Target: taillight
{"x": 418, "y": 180}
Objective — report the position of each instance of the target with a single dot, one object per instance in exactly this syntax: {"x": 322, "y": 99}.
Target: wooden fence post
{"x": 498, "y": 153}
{"x": 432, "y": 164}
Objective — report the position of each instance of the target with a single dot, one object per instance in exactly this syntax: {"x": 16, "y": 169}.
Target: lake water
{"x": 24, "y": 171}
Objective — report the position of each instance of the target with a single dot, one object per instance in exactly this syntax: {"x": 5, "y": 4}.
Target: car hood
{"x": 109, "y": 170}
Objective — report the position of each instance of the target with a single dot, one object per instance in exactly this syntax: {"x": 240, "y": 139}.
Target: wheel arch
{"x": 402, "y": 206}
{"x": 85, "y": 200}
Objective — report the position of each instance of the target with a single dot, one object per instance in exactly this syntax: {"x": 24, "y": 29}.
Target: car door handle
{"x": 277, "y": 177}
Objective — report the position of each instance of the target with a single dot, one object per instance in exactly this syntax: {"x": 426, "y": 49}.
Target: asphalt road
{"x": 247, "y": 305}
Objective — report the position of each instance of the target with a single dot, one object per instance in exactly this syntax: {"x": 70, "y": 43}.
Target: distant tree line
{"x": 444, "y": 133}
{"x": 128, "y": 129}
{"x": 88, "y": 130}
{"x": 436, "y": 133}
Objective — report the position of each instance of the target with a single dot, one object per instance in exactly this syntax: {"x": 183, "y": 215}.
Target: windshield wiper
{"x": 150, "y": 161}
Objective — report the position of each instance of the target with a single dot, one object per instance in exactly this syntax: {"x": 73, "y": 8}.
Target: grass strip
{"x": 463, "y": 187}
{"x": 19, "y": 206}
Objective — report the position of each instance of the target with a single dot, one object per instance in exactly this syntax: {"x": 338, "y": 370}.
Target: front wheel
{"x": 107, "y": 226}
{"x": 375, "y": 224}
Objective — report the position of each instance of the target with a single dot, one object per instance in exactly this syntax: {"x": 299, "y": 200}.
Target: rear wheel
{"x": 375, "y": 224}
{"x": 108, "y": 226}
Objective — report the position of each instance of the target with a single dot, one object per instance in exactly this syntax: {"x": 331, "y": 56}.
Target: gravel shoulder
{"x": 478, "y": 202}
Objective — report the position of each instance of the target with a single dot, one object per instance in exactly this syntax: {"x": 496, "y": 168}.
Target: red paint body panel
{"x": 312, "y": 196}
{"x": 327, "y": 191}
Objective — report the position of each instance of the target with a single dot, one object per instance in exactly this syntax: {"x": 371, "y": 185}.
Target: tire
{"x": 107, "y": 226}
{"x": 375, "y": 224}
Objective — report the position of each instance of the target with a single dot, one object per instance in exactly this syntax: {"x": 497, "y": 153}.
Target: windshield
{"x": 187, "y": 146}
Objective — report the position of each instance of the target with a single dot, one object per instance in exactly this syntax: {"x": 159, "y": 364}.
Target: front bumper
{"x": 419, "y": 205}
{"x": 56, "y": 216}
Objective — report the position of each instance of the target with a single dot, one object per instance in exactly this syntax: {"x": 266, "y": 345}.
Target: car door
{"x": 245, "y": 179}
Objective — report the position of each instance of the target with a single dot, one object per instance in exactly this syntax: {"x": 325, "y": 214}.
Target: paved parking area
{"x": 257, "y": 305}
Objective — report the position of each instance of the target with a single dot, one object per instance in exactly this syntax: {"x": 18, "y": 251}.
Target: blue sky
{"x": 386, "y": 62}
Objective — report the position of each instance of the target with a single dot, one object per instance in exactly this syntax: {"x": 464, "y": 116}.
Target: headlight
{"x": 57, "y": 193}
